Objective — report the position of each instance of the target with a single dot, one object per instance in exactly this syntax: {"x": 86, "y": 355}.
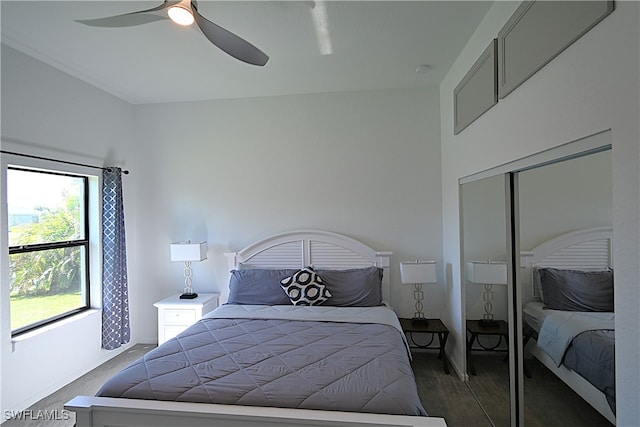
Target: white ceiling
{"x": 376, "y": 45}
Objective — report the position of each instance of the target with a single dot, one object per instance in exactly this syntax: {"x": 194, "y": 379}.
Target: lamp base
{"x": 192, "y": 295}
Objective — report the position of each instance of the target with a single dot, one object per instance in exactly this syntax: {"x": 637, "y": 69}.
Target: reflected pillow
{"x": 258, "y": 286}
{"x": 358, "y": 287}
{"x": 576, "y": 290}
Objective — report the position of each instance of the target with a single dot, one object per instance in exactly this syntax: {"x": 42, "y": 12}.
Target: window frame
{"x": 85, "y": 243}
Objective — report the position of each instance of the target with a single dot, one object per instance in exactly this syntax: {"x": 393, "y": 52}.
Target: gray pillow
{"x": 258, "y": 286}
{"x": 575, "y": 290}
{"x": 359, "y": 287}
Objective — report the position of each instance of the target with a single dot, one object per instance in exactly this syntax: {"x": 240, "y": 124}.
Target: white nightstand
{"x": 175, "y": 314}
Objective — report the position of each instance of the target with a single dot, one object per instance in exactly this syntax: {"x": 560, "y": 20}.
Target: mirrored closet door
{"x": 537, "y": 244}
{"x": 565, "y": 217}
{"x": 485, "y": 290}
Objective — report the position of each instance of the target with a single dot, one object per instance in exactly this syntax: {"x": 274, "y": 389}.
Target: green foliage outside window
{"x": 48, "y": 271}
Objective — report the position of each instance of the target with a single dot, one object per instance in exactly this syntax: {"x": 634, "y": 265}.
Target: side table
{"x": 428, "y": 326}
{"x": 476, "y": 328}
{"x": 175, "y": 314}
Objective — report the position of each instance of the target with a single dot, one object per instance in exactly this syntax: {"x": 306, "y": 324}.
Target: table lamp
{"x": 417, "y": 273}
{"x": 188, "y": 252}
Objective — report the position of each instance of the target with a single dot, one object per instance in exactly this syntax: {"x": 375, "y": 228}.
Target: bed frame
{"x": 291, "y": 249}
{"x": 322, "y": 249}
{"x": 588, "y": 249}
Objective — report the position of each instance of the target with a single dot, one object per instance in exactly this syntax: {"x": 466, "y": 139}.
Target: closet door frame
{"x": 516, "y": 349}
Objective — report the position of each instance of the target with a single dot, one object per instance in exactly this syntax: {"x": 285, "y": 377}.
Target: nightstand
{"x": 476, "y": 328}
{"x": 175, "y": 314}
{"x": 430, "y": 326}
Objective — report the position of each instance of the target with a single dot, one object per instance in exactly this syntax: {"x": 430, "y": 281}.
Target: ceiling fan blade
{"x": 130, "y": 19}
{"x": 229, "y": 42}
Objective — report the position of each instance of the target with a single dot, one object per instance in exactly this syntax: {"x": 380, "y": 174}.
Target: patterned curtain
{"x": 115, "y": 297}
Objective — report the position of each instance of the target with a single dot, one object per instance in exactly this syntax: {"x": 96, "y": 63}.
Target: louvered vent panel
{"x": 327, "y": 255}
{"x": 591, "y": 255}
{"x": 582, "y": 256}
{"x": 285, "y": 255}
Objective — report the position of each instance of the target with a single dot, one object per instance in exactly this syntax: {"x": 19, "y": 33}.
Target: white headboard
{"x": 323, "y": 249}
{"x": 588, "y": 249}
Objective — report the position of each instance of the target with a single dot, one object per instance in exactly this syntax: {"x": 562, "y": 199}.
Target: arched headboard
{"x": 323, "y": 249}
{"x": 588, "y": 249}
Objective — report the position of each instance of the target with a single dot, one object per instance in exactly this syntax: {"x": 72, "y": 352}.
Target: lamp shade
{"x": 188, "y": 251}
{"x": 487, "y": 272}
{"x": 418, "y": 272}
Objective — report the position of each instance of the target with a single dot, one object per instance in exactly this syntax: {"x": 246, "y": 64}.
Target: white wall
{"x": 590, "y": 87}
{"x": 563, "y": 197}
{"x": 484, "y": 219}
{"x": 366, "y": 164}
{"x": 48, "y": 113}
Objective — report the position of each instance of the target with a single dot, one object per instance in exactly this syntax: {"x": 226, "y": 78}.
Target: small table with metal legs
{"x": 476, "y": 328}
{"x": 428, "y": 326}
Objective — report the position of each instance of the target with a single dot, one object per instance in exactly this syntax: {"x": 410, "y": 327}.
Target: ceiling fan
{"x": 185, "y": 12}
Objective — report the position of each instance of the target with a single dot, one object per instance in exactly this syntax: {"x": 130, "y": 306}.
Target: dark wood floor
{"x": 550, "y": 403}
{"x": 484, "y": 400}
{"x": 445, "y": 395}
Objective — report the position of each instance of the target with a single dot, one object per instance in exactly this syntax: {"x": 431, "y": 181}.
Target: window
{"x": 48, "y": 246}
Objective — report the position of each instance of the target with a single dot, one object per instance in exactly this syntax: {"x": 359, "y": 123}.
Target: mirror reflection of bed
{"x": 569, "y": 320}
{"x": 566, "y": 225}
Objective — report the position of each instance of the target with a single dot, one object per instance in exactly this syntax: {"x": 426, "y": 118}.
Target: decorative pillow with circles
{"x": 305, "y": 287}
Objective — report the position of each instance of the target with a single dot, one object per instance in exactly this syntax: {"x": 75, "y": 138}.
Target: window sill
{"x": 47, "y": 328}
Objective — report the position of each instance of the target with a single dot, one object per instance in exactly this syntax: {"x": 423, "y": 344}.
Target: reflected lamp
{"x": 487, "y": 274}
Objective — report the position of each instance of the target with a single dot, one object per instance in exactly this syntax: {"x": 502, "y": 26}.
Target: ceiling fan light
{"x": 180, "y": 15}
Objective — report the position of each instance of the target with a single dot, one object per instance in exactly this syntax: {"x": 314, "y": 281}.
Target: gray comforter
{"x": 258, "y": 357}
{"x": 583, "y": 342}
{"x": 592, "y": 355}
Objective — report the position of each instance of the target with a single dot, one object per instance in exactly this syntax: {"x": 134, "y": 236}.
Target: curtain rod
{"x": 126, "y": 172}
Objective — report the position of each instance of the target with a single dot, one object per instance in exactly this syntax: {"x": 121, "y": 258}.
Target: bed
{"x": 569, "y": 313}
{"x": 338, "y": 357}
